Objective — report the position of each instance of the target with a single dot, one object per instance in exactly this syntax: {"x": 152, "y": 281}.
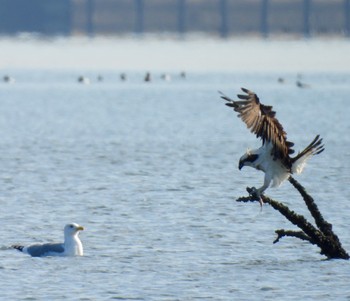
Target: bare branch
{"x": 321, "y": 234}
{"x": 321, "y": 223}
{"x": 298, "y": 234}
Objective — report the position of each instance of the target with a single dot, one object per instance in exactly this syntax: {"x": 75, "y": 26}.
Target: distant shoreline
{"x": 164, "y": 52}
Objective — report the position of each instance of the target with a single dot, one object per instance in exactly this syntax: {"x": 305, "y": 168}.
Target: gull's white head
{"x": 72, "y": 243}
{"x": 72, "y": 229}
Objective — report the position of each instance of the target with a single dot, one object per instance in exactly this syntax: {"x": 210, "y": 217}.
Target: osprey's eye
{"x": 71, "y": 226}
{"x": 252, "y": 158}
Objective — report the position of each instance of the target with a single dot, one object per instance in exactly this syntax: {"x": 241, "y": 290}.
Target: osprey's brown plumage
{"x": 261, "y": 120}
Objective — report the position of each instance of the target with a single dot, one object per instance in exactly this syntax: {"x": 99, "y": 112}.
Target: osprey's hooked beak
{"x": 241, "y": 164}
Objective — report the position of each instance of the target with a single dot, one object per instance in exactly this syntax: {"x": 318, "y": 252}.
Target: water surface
{"x": 151, "y": 171}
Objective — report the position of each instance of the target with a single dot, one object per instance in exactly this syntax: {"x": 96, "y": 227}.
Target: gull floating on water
{"x": 72, "y": 245}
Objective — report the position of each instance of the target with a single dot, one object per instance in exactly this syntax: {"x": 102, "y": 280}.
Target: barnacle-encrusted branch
{"x": 321, "y": 234}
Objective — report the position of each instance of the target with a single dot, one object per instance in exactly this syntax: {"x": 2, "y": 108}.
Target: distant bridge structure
{"x": 219, "y": 17}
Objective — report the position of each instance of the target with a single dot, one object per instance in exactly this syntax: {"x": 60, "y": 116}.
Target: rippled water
{"x": 150, "y": 170}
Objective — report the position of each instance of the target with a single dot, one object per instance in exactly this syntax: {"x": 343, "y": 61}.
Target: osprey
{"x": 273, "y": 157}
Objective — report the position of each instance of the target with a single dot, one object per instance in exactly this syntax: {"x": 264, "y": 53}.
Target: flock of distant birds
{"x": 299, "y": 83}
{"x": 148, "y": 78}
{"x": 123, "y": 77}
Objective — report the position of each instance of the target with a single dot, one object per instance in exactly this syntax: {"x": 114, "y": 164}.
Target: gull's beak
{"x": 240, "y": 165}
{"x": 80, "y": 228}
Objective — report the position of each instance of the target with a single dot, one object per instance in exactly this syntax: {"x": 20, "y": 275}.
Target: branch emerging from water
{"x": 322, "y": 234}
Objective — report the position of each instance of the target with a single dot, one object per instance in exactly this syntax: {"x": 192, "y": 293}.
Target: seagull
{"x": 72, "y": 245}
{"x": 273, "y": 157}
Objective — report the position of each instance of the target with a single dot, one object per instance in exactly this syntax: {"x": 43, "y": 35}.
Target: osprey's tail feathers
{"x": 18, "y": 247}
{"x": 314, "y": 148}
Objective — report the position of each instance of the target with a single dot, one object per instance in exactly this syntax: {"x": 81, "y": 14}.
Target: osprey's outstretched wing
{"x": 261, "y": 120}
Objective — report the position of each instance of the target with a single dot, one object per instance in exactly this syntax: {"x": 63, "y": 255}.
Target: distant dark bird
{"x": 300, "y": 84}
{"x": 147, "y": 77}
{"x": 123, "y": 77}
{"x": 166, "y": 77}
{"x": 281, "y": 80}
{"x": 100, "y": 78}
{"x": 8, "y": 79}
{"x": 83, "y": 80}
{"x": 183, "y": 74}
{"x": 273, "y": 157}
{"x": 71, "y": 246}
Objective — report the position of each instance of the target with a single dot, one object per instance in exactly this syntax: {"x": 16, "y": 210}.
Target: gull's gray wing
{"x": 45, "y": 249}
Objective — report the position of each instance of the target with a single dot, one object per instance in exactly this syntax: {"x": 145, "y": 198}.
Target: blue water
{"x": 150, "y": 170}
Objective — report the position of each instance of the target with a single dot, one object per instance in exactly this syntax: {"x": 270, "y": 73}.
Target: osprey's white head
{"x": 249, "y": 159}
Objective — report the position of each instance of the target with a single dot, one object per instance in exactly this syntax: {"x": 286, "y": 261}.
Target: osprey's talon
{"x": 255, "y": 193}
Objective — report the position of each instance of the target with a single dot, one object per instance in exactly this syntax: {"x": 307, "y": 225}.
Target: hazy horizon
{"x": 196, "y": 53}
